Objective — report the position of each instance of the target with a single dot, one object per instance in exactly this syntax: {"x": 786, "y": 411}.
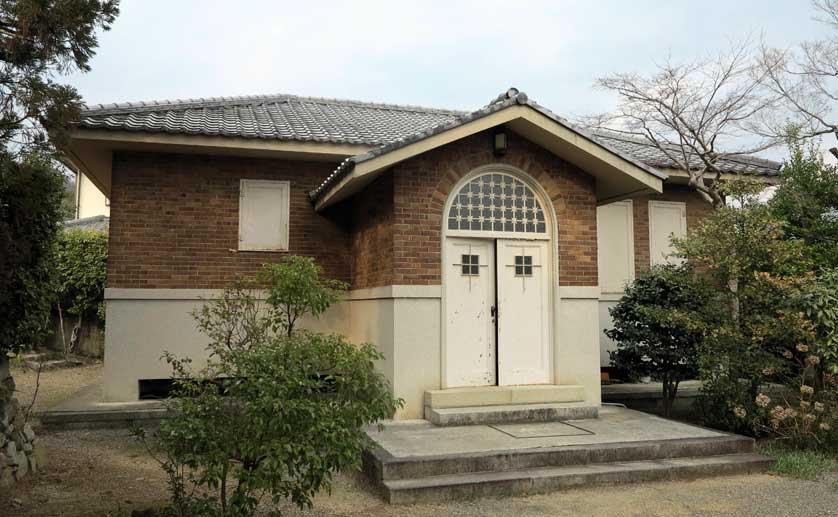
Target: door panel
{"x": 469, "y": 297}
{"x": 523, "y": 312}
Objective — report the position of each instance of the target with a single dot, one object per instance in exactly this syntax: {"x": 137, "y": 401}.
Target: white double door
{"x": 497, "y": 312}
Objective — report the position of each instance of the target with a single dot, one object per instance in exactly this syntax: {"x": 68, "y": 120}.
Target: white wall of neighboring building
{"x": 90, "y": 201}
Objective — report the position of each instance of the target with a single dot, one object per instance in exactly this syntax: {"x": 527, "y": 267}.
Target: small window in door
{"x": 523, "y": 265}
{"x": 471, "y": 265}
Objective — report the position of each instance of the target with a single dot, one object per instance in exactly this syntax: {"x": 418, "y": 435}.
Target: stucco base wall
{"x": 145, "y": 323}
{"x": 417, "y": 358}
{"x": 577, "y": 348}
{"x": 606, "y": 344}
{"x": 403, "y": 322}
{"x": 137, "y": 334}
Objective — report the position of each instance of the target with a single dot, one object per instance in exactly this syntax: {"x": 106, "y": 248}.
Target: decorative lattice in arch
{"x": 497, "y": 202}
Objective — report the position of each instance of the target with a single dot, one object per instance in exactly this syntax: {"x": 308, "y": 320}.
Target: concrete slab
{"x": 503, "y": 395}
{"x": 90, "y": 398}
{"x": 547, "y": 479}
{"x": 86, "y": 410}
{"x": 541, "y": 430}
{"x": 614, "y": 425}
{"x": 459, "y": 416}
{"x": 421, "y": 462}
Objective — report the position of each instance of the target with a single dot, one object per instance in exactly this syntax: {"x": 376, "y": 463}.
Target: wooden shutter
{"x": 667, "y": 219}
{"x": 263, "y": 215}
{"x": 615, "y": 245}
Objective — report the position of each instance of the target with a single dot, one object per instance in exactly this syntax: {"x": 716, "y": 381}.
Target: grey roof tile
{"x": 651, "y": 155}
{"x": 96, "y": 223}
{"x": 281, "y": 117}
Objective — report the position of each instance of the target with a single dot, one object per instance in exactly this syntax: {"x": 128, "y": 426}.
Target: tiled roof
{"x": 281, "y": 117}
{"x": 506, "y": 99}
{"x": 96, "y": 223}
{"x": 654, "y": 157}
{"x": 313, "y": 119}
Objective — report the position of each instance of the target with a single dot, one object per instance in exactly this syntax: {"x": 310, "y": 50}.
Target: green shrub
{"x": 820, "y": 305}
{"x": 80, "y": 269}
{"x": 30, "y": 194}
{"x": 658, "y": 325}
{"x": 273, "y": 413}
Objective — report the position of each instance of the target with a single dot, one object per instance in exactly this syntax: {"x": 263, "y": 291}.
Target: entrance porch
{"x": 416, "y": 461}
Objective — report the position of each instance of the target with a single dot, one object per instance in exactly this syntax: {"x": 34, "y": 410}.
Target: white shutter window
{"x": 615, "y": 246}
{"x": 263, "y": 215}
{"x": 667, "y": 219}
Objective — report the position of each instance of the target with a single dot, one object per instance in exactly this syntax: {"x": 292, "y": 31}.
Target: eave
{"x": 617, "y": 176}
{"x": 91, "y": 150}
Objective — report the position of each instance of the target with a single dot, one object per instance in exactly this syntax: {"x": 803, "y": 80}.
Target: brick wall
{"x": 174, "y": 220}
{"x": 372, "y": 234}
{"x": 422, "y": 185}
{"x": 697, "y": 209}
{"x": 174, "y": 217}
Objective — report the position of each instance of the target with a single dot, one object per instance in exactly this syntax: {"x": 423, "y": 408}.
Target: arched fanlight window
{"x": 497, "y": 202}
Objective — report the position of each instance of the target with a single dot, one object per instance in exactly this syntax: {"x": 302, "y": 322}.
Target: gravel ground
{"x": 56, "y": 385}
{"x": 104, "y": 472}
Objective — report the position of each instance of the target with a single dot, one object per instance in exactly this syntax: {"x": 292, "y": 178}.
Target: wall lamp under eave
{"x": 499, "y": 142}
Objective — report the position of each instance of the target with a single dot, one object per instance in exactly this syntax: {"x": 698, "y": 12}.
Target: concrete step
{"x": 382, "y": 467}
{"x": 102, "y": 418}
{"x": 547, "y": 479}
{"x": 503, "y": 395}
{"x": 511, "y": 413}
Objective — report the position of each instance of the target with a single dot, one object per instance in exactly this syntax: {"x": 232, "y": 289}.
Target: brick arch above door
{"x": 422, "y": 185}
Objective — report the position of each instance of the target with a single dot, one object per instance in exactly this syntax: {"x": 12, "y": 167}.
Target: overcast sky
{"x": 451, "y": 54}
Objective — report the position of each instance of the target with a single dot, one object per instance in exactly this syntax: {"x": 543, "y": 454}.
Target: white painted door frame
{"x": 551, "y": 260}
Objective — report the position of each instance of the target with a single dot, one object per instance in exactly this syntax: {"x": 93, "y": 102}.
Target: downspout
{"x": 78, "y": 194}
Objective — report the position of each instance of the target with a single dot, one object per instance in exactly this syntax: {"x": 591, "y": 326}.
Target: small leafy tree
{"x": 80, "y": 268}
{"x": 658, "y": 326}
{"x": 744, "y": 254}
{"x": 276, "y": 411}
{"x": 296, "y": 287}
{"x": 807, "y": 200}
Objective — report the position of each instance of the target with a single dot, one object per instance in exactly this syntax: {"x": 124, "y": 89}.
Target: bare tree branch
{"x": 805, "y": 78}
{"x": 689, "y": 111}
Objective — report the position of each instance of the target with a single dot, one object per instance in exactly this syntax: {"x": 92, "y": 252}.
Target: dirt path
{"x": 56, "y": 385}
{"x": 99, "y": 472}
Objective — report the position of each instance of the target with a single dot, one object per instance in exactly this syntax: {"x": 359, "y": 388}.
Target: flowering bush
{"x": 798, "y": 412}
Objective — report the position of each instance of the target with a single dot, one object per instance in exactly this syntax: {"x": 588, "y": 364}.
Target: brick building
{"x": 483, "y": 249}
